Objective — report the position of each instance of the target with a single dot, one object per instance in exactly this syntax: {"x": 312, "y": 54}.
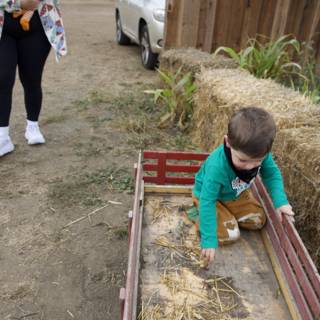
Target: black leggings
{"x": 28, "y": 50}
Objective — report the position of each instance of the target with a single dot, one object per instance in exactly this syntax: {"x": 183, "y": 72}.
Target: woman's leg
{"x": 8, "y": 65}
{"x": 33, "y": 50}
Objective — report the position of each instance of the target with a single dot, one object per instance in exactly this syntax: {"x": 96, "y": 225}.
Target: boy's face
{"x": 243, "y": 162}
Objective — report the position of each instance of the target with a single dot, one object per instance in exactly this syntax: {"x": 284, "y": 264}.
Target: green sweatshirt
{"x": 217, "y": 181}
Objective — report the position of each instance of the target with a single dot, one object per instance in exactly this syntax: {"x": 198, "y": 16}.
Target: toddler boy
{"x": 222, "y": 192}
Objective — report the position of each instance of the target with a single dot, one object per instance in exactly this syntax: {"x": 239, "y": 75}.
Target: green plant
{"x": 177, "y": 97}
{"x": 309, "y": 83}
{"x": 272, "y": 59}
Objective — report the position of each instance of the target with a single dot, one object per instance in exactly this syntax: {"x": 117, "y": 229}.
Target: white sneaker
{"x": 6, "y": 146}
{"x": 34, "y": 135}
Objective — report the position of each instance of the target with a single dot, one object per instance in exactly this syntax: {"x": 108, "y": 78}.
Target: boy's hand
{"x": 287, "y": 210}
{"x": 208, "y": 254}
{"x": 29, "y": 4}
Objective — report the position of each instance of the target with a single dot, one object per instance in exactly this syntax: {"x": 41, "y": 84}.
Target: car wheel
{"x": 148, "y": 58}
{"x": 122, "y": 39}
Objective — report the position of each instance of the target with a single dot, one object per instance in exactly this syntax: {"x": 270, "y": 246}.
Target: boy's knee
{"x": 252, "y": 221}
{"x": 229, "y": 233}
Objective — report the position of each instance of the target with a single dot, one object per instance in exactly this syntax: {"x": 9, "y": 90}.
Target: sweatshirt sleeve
{"x": 10, "y": 5}
{"x": 272, "y": 178}
{"x": 207, "y": 210}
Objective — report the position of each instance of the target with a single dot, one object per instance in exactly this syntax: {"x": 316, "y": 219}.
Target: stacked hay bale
{"x": 192, "y": 60}
{"x": 221, "y": 92}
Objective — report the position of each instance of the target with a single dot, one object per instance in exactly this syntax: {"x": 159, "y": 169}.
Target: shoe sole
{"x": 34, "y": 142}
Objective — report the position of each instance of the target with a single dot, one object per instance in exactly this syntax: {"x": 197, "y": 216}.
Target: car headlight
{"x": 158, "y": 14}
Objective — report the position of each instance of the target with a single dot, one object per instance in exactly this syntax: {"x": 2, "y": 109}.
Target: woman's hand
{"x": 287, "y": 210}
{"x": 208, "y": 254}
{"x": 29, "y": 4}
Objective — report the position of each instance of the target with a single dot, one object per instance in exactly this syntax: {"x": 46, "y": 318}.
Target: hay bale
{"x": 297, "y": 152}
{"x": 193, "y": 60}
{"x": 221, "y": 92}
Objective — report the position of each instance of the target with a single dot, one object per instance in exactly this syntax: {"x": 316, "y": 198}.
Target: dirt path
{"x": 48, "y": 271}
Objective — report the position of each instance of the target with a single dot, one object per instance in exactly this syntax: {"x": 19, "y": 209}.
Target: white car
{"x": 142, "y": 22}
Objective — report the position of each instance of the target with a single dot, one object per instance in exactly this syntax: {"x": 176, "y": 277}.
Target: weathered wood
{"x": 220, "y": 35}
{"x": 189, "y": 23}
{"x": 210, "y": 24}
{"x": 268, "y": 12}
{"x": 168, "y": 189}
{"x": 202, "y": 23}
{"x": 280, "y": 276}
{"x": 235, "y": 24}
{"x": 251, "y": 21}
{"x": 173, "y": 10}
{"x": 280, "y": 19}
{"x": 295, "y": 17}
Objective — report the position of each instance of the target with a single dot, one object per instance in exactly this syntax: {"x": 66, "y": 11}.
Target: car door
{"x": 124, "y": 11}
{"x": 134, "y": 15}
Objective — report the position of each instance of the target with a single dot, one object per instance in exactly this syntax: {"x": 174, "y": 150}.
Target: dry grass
{"x": 193, "y": 298}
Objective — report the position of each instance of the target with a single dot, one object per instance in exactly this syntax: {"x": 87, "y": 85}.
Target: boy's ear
{"x": 226, "y": 141}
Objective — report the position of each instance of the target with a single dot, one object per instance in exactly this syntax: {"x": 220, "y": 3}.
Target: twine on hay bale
{"x": 223, "y": 91}
{"x": 193, "y": 60}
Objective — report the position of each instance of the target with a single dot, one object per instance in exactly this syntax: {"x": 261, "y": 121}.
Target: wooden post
{"x": 280, "y": 19}
{"x": 250, "y": 21}
{"x": 210, "y": 25}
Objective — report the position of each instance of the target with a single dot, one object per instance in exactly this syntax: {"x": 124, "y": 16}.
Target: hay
{"x": 297, "y": 152}
{"x": 192, "y": 298}
{"x": 221, "y": 92}
{"x": 192, "y": 61}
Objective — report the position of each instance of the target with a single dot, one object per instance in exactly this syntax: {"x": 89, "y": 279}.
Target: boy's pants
{"x": 245, "y": 212}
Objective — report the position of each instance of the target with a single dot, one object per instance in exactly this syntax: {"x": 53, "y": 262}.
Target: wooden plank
{"x": 304, "y": 282}
{"x": 280, "y": 276}
{"x": 173, "y": 8}
{"x": 220, "y": 35}
{"x": 168, "y": 189}
{"x": 307, "y": 20}
{"x": 295, "y": 17}
{"x": 234, "y": 31}
{"x": 175, "y": 155}
{"x": 266, "y": 18}
{"x": 161, "y": 170}
{"x": 274, "y": 229}
{"x": 202, "y": 24}
{"x": 130, "y": 304}
{"x": 172, "y": 168}
{"x": 189, "y": 23}
{"x": 250, "y": 21}
{"x": 280, "y": 19}
{"x": 168, "y": 180}
{"x": 210, "y": 24}
{"x": 303, "y": 255}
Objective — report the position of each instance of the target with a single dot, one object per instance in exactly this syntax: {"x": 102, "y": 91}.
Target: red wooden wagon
{"x": 167, "y": 172}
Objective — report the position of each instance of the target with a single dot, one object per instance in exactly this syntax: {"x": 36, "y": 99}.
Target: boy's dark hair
{"x": 251, "y": 130}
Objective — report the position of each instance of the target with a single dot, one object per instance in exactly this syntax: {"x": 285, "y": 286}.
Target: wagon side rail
{"x": 129, "y": 294}
{"x": 298, "y": 276}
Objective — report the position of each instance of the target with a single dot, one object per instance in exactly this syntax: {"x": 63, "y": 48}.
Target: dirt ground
{"x": 94, "y": 124}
